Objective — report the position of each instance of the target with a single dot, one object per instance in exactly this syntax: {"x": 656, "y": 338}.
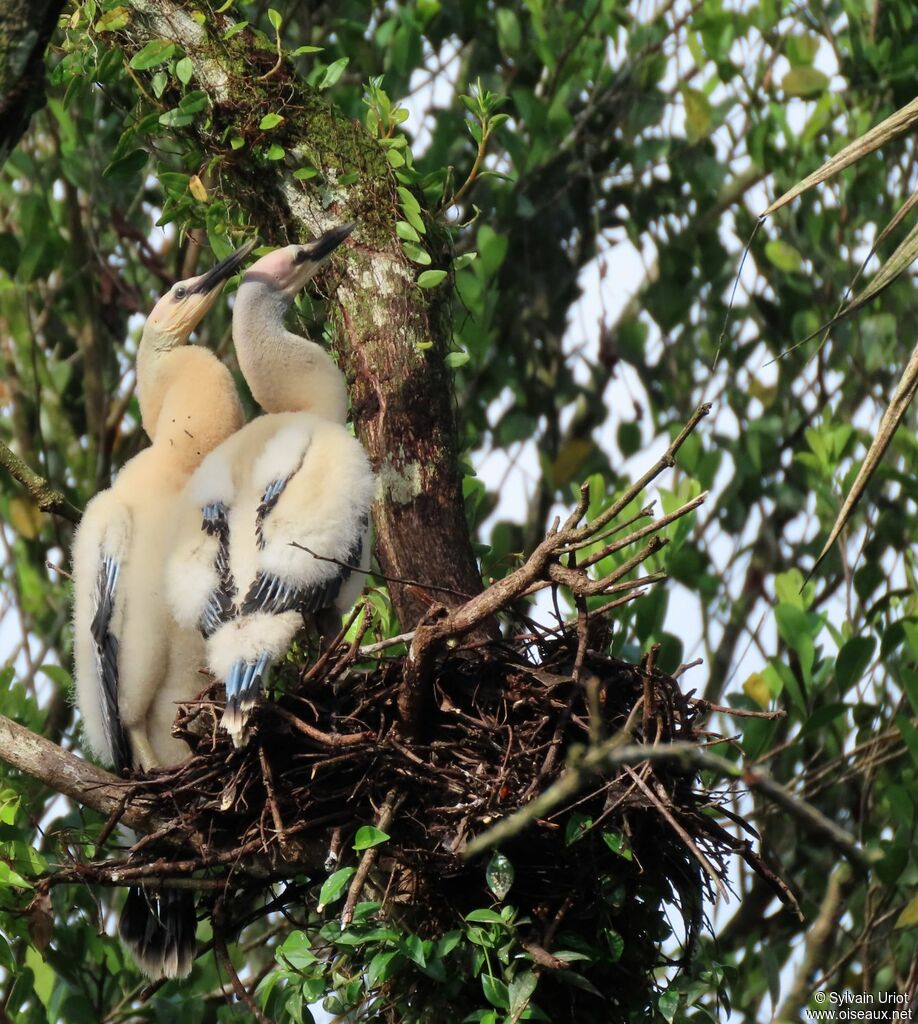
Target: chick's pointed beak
{"x": 326, "y": 244}
{"x": 223, "y": 270}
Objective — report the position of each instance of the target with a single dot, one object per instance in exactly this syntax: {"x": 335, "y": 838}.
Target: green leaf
{"x": 127, "y": 167}
{"x": 184, "y": 69}
{"x": 416, "y": 253}
{"x": 668, "y": 1004}
{"x": 58, "y": 675}
{"x": 456, "y": 359}
{"x": 801, "y": 49}
{"x": 275, "y": 18}
{"x": 333, "y": 886}
{"x": 485, "y": 916}
{"x": 413, "y": 947}
{"x": 270, "y": 121}
{"x": 784, "y": 256}
{"x": 408, "y": 201}
{"x": 406, "y": 232}
{"x": 804, "y": 81}
{"x": 618, "y": 844}
{"x": 575, "y": 828}
{"x": 381, "y": 968}
{"x": 520, "y": 991}
{"x": 235, "y": 29}
{"x": 295, "y": 951}
{"x": 460, "y": 262}
{"x": 509, "y": 34}
{"x": 369, "y": 835}
{"x": 300, "y": 50}
{"x": 852, "y": 661}
{"x": 305, "y": 173}
{"x": 333, "y": 72}
{"x": 275, "y": 152}
{"x": 157, "y": 51}
{"x": 697, "y": 113}
{"x": 431, "y": 278}
{"x": 175, "y": 118}
{"x": 112, "y": 20}
{"x": 194, "y": 102}
{"x": 499, "y": 873}
{"x": 495, "y": 992}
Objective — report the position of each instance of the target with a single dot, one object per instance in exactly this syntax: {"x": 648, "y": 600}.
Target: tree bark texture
{"x": 25, "y": 28}
{"x": 401, "y": 395}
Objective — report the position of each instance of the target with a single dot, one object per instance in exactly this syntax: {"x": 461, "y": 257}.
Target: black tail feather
{"x": 158, "y": 927}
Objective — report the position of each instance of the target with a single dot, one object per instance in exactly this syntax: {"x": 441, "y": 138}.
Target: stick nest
{"x": 506, "y": 721}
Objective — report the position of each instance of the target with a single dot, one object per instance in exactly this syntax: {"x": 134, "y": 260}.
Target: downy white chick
{"x": 292, "y": 485}
{"x": 132, "y": 661}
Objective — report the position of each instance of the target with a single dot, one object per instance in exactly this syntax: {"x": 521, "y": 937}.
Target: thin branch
{"x": 227, "y": 964}
{"x": 383, "y": 576}
{"x": 387, "y": 812}
{"x": 45, "y": 496}
{"x": 615, "y": 751}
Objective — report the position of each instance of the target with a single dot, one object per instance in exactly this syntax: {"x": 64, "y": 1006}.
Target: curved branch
{"x": 47, "y": 498}
{"x": 71, "y": 775}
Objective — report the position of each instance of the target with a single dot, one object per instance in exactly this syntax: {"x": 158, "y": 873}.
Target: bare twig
{"x": 326, "y": 739}
{"x": 390, "y": 805}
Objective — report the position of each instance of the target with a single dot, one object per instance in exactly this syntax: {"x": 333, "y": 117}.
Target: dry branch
{"x": 541, "y": 569}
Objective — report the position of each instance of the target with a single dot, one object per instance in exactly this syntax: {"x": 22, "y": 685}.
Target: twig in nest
{"x": 330, "y": 651}
{"x": 690, "y": 843}
{"x": 650, "y": 661}
{"x": 327, "y": 739}
{"x": 570, "y": 782}
{"x": 272, "y": 800}
{"x": 386, "y": 813}
{"x": 113, "y": 820}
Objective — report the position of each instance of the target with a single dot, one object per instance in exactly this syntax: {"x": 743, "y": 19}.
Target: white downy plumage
{"x": 292, "y": 485}
{"x": 132, "y": 661}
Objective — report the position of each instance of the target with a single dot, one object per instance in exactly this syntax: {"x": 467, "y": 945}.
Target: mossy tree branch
{"x": 46, "y": 497}
{"x": 400, "y": 387}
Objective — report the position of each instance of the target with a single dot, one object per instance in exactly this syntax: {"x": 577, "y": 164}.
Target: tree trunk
{"x": 25, "y": 28}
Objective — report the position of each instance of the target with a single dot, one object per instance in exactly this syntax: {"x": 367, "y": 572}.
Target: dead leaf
{"x": 894, "y": 125}
{"x": 905, "y": 392}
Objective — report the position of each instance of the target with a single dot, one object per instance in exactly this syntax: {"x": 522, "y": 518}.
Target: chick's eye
{"x": 301, "y": 256}
{"x": 180, "y": 292}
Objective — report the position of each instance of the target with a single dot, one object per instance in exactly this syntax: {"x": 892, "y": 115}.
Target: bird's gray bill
{"x": 326, "y": 244}
{"x": 224, "y": 269}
